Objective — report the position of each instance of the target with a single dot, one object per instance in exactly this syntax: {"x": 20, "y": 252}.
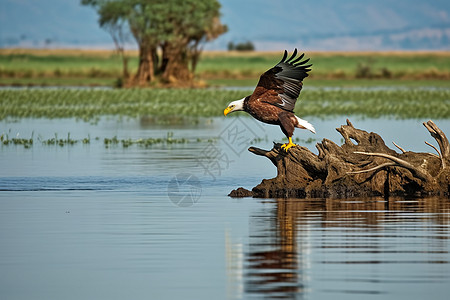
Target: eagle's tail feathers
{"x": 305, "y": 125}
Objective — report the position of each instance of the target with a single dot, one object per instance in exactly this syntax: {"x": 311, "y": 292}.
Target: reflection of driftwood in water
{"x": 363, "y": 166}
{"x": 281, "y": 240}
{"x": 274, "y": 258}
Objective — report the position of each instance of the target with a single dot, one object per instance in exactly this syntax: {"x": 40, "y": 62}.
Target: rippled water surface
{"x": 98, "y": 221}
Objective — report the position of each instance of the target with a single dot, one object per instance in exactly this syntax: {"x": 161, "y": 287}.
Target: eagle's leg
{"x": 288, "y": 145}
{"x": 287, "y": 125}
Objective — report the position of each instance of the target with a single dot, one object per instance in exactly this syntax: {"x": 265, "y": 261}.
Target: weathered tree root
{"x": 362, "y": 167}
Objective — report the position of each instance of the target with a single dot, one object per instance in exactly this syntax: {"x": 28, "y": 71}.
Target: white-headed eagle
{"x": 273, "y": 99}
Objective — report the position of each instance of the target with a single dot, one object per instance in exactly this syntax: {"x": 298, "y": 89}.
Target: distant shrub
{"x": 118, "y": 83}
{"x": 6, "y": 73}
{"x": 94, "y": 72}
{"x": 338, "y": 74}
{"x": 57, "y": 72}
{"x": 386, "y": 73}
{"x": 363, "y": 70}
{"x": 247, "y": 73}
{"x": 245, "y": 46}
{"x": 27, "y": 74}
{"x": 432, "y": 72}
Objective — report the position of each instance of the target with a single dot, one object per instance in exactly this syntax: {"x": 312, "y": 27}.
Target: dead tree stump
{"x": 362, "y": 167}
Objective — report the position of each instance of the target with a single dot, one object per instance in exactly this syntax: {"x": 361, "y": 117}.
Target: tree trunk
{"x": 117, "y": 33}
{"x": 176, "y": 65}
{"x": 164, "y": 58}
{"x": 194, "y": 54}
{"x": 155, "y": 59}
{"x": 362, "y": 167}
{"x": 145, "y": 73}
{"x": 125, "y": 72}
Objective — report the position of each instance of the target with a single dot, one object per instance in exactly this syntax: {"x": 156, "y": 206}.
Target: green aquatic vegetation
{"x": 301, "y": 141}
{"x": 176, "y": 105}
{"x": 86, "y": 140}
{"x": 26, "y": 143}
{"x": 169, "y": 139}
{"x": 397, "y": 103}
{"x": 258, "y": 140}
{"x": 148, "y": 142}
{"x": 112, "y": 141}
{"x": 88, "y": 104}
{"x": 60, "y": 142}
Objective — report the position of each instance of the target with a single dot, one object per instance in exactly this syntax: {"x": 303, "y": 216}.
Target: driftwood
{"x": 362, "y": 167}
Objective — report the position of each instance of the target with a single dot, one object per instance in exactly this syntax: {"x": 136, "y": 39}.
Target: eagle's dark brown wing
{"x": 281, "y": 85}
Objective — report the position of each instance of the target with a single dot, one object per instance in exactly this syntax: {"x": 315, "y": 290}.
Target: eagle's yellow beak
{"x": 227, "y": 111}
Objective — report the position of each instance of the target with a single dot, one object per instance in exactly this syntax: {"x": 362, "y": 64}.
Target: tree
{"x": 116, "y": 26}
{"x": 177, "y": 29}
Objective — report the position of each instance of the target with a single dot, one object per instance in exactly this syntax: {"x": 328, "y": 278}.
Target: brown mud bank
{"x": 361, "y": 167}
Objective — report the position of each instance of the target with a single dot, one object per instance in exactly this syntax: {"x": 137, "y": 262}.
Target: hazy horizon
{"x": 318, "y": 25}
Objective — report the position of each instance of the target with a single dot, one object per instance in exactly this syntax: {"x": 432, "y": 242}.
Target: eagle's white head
{"x": 237, "y": 105}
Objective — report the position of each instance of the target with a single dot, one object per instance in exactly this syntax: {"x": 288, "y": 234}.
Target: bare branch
{"x": 432, "y": 154}
{"x": 350, "y": 123}
{"x": 269, "y": 154}
{"x": 417, "y": 171}
{"x": 439, "y": 154}
{"x": 432, "y": 146}
{"x": 374, "y": 168}
{"x": 400, "y": 148}
{"x": 440, "y": 138}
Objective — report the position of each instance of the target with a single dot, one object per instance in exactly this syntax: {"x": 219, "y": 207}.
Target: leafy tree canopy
{"x": 177, "y": 28}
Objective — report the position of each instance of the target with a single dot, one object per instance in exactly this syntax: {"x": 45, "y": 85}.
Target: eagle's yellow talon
{"x": 288, "y": 145}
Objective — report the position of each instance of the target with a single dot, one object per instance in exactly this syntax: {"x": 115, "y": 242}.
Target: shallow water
{"x": 97, "y": 222}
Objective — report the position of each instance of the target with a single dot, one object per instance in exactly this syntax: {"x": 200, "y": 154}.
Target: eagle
{"x": 273, "y": 99}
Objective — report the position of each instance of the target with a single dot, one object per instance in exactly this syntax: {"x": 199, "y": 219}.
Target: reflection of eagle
{"x": 273, "y": 99}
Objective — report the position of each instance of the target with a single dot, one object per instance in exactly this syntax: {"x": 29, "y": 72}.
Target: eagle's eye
{"x": 231, "y": 106}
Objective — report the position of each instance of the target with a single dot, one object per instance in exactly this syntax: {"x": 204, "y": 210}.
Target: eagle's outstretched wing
{"x": 281, "y": 85}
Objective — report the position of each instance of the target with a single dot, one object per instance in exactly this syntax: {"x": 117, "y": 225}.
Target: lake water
{"x": 102, "y": 221}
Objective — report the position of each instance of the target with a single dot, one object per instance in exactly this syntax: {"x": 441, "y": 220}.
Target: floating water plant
{"x": 26, "y": 143}
{"x": 114, "y": 141}
{"x": 60, "y": 142}
{"x": 86, "y": 140}
{"x": 148, "y": 142}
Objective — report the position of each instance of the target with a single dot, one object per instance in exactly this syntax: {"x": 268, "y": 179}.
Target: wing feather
{"x": 299, "y": 58}
{"x": 285, "y": 80}
{"x": 294, "y": 54}
{"x": 284, "y": 56}
{"x": 302, "y": 63}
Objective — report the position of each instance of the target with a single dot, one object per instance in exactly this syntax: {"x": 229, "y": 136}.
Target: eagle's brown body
{"x": 271, "y": 114}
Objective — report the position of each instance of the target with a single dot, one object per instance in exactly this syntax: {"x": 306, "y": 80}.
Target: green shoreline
{"x": 23, "y": 67}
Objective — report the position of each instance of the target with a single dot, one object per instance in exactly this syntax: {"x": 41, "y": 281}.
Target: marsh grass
{"x": 175, "y": 106}
{"x": 59, "y": 65}
{"x": 32, "y": 67}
